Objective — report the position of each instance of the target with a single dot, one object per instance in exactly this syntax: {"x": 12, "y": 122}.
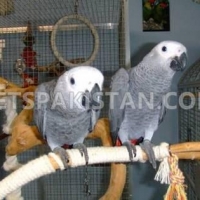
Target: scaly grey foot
{"x": 63, "y": 155}
{"x": 131, "y": 149}
{"x": 83, "y": 150}
{"x": 147, "y": 146}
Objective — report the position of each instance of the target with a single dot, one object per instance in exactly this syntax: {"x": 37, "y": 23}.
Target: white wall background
{"x": 185, "y": 28}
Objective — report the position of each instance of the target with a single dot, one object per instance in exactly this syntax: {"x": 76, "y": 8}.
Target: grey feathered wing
{"x": 40, "y": 109}
{"x": 120, "y": 85}
{"x": 162, "y": 112}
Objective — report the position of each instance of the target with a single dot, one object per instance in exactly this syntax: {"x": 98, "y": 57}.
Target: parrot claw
{"x": 147, "y": 146}
{"x": 131, "y": 149}
{"x": 83, "y": 150}
{"x": 63, "y": 155}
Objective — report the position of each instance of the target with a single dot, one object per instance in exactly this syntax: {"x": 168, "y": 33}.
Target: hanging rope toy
{"x": 176, "y": 190}
{"x": 169, "y": 173}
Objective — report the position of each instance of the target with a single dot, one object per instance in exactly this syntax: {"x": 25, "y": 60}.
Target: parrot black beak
{"x": 95, "y": 96}
{"x": 92, "y": 98}
{"x": 179, "y": 63}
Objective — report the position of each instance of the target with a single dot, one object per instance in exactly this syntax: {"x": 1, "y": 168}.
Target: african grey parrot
{"x": 131, "y": 118}
{"x": 65, "y": 110}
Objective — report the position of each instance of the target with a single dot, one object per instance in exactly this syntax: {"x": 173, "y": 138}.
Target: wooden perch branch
{"x": 48, "y": 164}
{"x": 119, "y": 154}
{"x": 24, "y": 137}
{"x": 187, "y": 150}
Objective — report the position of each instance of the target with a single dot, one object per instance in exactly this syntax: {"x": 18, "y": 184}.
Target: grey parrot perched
{"x": 132, "y": 119}
{"x": 67, "y": 109}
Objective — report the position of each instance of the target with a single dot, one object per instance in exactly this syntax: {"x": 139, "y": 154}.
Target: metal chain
{"x": 76, "y": 7}
{"x": 86, "y": 182}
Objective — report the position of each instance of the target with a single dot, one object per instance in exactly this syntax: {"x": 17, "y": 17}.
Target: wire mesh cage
{"x": 189, "y": 125}
{"x": 39, "y": 40}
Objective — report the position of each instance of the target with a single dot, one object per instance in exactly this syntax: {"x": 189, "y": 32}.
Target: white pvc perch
{"x": 45, "y": 165}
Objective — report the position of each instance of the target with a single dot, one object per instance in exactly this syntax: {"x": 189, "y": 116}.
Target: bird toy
{"x": 176, "y": 190}
{"x": 29, "y": 58}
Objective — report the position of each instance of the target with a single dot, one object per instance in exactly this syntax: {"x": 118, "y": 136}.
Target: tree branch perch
{"x": 47, "y": 164}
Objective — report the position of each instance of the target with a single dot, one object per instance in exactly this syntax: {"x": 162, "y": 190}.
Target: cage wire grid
{"x": 189, "y": 126}
{"x": 75, "y": 43}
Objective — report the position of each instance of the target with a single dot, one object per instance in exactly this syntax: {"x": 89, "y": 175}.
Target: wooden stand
{"x": 24, "y": 137}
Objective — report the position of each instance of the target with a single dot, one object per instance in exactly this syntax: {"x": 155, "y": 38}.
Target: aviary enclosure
{"x": 189, "y": 126}
{"x": 39, "y": 40}
{"x": 42, "y": 39}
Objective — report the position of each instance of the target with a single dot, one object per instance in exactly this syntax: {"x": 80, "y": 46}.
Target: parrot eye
{"x": 83, "y": 101}
{"x": 164, "y": 48}
{"x": 72, "y": 81}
